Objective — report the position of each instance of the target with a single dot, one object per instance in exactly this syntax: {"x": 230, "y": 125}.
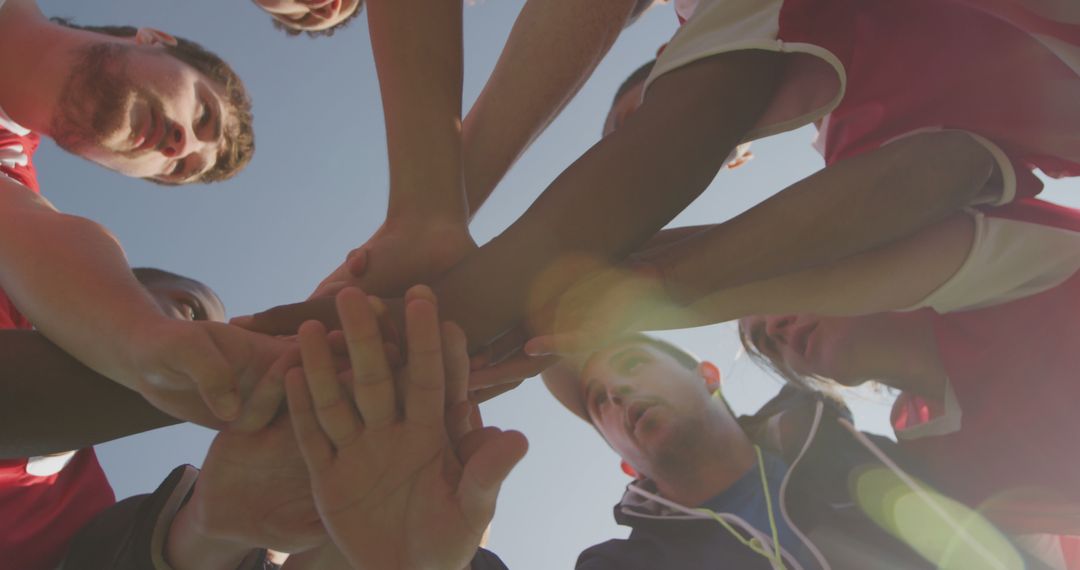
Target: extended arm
{"x": 552, "y": 50}
{"x": 606, "y": 205}
{"x": 69, "y": 276}
{"x": 619, "y": 194}
{"x": 850, "y": 207}
{"x": 895, "y": 195}
{"x": 50, "y": 402}
{"x": 892, "y": 277}
{"x": 417, "y": 46}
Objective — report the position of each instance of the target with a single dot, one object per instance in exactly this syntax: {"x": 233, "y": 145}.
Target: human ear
{"x": 711, "y": 374}
{"x": 154, "y": 37}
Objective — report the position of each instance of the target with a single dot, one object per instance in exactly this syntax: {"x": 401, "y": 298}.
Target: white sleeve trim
{"x": 726, "y": 26}
{"x": 989, "y": 196}
{"x": 1008, "y": 174}
{"x": 6, "y": 121}
{"x": 1009, "y": 260}
{"x": 1045, "y": 547}
{"x": 948, "y": 422}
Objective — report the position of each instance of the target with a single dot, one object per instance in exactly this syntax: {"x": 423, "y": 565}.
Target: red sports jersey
{"x": 40, "y": 510}
{"x": 871, "y": 71}
{"x": 1013, "y": 368}
{"x": 928, "y": 64}
{"x": 39, "y": 514}
{"x": 17, "y": 146}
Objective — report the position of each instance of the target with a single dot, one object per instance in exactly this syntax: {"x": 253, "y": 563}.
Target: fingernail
{"x": 241, "y": 321}
{"x": 420, "y": 292}
{"x": 536, "y": 350}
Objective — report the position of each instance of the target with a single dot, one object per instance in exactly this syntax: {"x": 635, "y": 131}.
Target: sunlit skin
{"x": 311, "y": 15}
{"x": 662, "y": 419}
{"x": 171, "y": 125}
{"x": 897, "y": 349}
{"x": 122, "y": 102}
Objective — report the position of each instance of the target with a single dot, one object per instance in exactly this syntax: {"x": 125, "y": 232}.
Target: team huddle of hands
{"x": 378, "y": 461}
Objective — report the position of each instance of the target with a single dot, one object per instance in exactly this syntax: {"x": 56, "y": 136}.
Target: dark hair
{"x": 687, "y": 360}
{"x": 816, "y": 383}
{"x": 151, "y": 275}
{"x": 240, "y": 138}
{"x": 290, "y": 31}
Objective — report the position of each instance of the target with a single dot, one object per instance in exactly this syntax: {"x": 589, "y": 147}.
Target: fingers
{"x": 485, "y": 471}
{"x": 561, "y": 344}
{"x": 456, "y": 363}
{"x": 510, "y": 370}
{"x": 211, "y": 373}
{"x": 356, "y": 262}
{"x": 485, "y": 394}
{"x": 425, "y": 383}
{"x": 313, "y": 444}
{"x": 265, "y": 400}
{"x": 373, "y": 384}
{"x": 286, "y": 319}
{"x": 334, "y": 412}
{"x": 508, "y": 343}
{"x": 459, "y": 420}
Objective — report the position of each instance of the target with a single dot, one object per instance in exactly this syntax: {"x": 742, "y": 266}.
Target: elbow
{"x": 88, "y": 227}
{"x": 957, "y": 166}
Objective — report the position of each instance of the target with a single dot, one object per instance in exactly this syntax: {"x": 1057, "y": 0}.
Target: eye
{"x": 599, "y": 397}
{"x": 204, "y": 116}
{"x": 188, "y": 311}
{"x": 177, "y": 170}
{"x": 628, "y": 364}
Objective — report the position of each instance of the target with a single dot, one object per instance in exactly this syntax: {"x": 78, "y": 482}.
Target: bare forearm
{"x": 552, "y": 50}
{"x": 892, "y": 277}
{"x": 848, "y": 208}
{"x": 618, "y": 195}
{"x": 418, "y": 56}
{"x": 69, "y": 276}
{"x": 49, "y": 402}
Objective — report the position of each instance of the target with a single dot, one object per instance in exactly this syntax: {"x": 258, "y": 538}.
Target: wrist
{"x": 190, "y": 546}
{"x": 651, "y": 271}
{"x": 441, "y": 210}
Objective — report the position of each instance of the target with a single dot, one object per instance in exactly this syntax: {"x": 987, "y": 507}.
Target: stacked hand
{"x": 584, "y": 318}
{"x": 396, "y": 484}
{"x": 398, "y": 256}
{"x": 201, "y": 371}
{"x": 254, "y": 490}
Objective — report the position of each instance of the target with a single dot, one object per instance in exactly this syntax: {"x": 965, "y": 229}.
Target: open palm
{"x": 395, "y": 487}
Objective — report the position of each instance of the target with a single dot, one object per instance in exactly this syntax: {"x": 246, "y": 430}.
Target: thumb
{"x": 209, "y": 370}
{"x": 484, "y": 473}
{"x": 356, "y": 262}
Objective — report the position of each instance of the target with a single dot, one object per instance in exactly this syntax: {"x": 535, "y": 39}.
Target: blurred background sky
{"x": 317, "y": 187}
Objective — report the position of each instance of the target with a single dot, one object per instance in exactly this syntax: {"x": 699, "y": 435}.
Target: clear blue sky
{"x": 317, "y": 188}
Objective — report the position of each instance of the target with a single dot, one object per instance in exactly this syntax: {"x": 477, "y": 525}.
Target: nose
{"x": 618, "y": 393}
{"x": 176, "y": 140}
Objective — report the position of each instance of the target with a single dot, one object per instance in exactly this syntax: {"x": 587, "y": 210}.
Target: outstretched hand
{"x": 395, "y": 486}
{"x": 399, "y": 256}
{"x": 254, "y": 490}
{"x": 219, "y": 362}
